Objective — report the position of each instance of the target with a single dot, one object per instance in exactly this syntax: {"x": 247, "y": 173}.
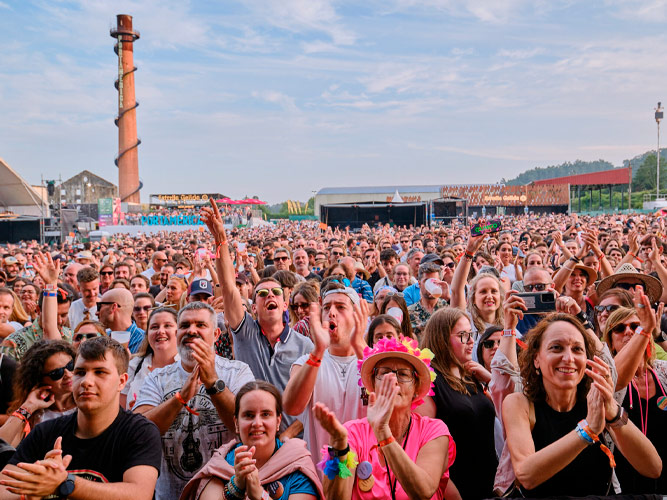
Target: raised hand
{"x": 213, "y": 220}
{"x": 603, "y": 385}
{"x": 191, "y": 385}
{"x": 205, "y": 358}
{"x": 39, "y": 398}
{"x": 319, "y": 330}
{"x": 647, "y": 316}
{"x": 330, "y": 423}
{"x": 513, "y": 308}
{"x": 47, "y": 268}
{"x": 381, "y": 405}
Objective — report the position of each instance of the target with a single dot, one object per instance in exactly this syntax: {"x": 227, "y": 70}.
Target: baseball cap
{"x": 201, "y": 286}
{"x": 432, "y": 257}
{"x": 242, "y": 279}
{"x": 11, "y": 260}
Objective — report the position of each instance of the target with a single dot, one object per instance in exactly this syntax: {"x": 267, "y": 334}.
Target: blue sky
{"x": 281, "y": 98}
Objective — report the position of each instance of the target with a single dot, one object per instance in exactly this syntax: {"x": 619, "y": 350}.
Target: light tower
{"x": 658, "y": 117}
{"x": 127, "y": 159}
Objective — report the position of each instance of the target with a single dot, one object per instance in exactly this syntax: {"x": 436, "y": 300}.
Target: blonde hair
{"x": 476, "y": 317}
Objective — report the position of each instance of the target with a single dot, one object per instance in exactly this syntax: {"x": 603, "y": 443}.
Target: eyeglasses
{"x": 137, "y": 309}
{"x": 403, "y": 375}
{"x": 106, "y": 273}
{"x": 58, "y": 373}
{"x": 264, "y": 292}
{"x": 79, "y": 337}
{"x": 609, "y": 308}
{"x": 490, "y": 344}
{"x": 537, "y": 287}
{"x": 465, "y": 337}
{"x": 300, "y": 305}
{"x": 280, "y": 259}
{"x": 405, "y": 241}
{"x": 620, "y": 328}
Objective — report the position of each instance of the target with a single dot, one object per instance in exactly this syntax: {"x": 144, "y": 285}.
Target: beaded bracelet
{"x": 238, "y": 492}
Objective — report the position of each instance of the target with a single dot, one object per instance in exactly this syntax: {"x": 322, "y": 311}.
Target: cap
{"x": 201, "y": 286}
{"x": 242, "y": 279}
{"x": 11, "y": 260}
{"x": 86, "y": 254}
{"x": 432, "y": 257}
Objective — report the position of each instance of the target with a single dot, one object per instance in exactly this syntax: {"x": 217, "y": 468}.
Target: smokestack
{"x": 127, "y": 160}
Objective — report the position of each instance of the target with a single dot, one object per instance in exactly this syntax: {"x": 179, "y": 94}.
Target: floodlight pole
{"x": 658, "y": 117}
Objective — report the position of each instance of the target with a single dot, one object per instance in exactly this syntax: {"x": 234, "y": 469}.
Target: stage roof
{"x": 14, "y": 190}
{"x": 605, "y": 177}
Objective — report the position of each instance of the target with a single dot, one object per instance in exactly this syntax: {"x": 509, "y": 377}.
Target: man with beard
{"x": 114, "y": 311}
{"x": 329, "y": 373}
{"x": 192, "y": 400}
{"x": 267, "y": 344}
{"x": 11, "y": 267}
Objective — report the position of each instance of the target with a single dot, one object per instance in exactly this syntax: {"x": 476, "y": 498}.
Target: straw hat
{"x": 589, "y": 271}
{"x": 406, "y": 349}
{"x": 359, "y": 268}
{"x": 627, "y": 272}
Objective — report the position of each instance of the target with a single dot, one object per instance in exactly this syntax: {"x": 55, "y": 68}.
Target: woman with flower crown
{"x": 460, "y": 401}
{"x": 393, "y": 453}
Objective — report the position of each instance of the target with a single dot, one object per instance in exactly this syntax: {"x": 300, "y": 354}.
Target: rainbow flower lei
{"x": 333, "y": 466}
{"x": 409, "y": 346}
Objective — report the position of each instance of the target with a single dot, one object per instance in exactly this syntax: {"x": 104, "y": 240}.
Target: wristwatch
{"x": 662, "y": 337}
{"x": 619, "y": 420}
{"x": 216, "y": 388}
{"x": 66, "y": 488}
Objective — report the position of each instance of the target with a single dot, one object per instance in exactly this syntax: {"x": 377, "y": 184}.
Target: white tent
{"x": 397, "y": 198}
{"x": 17, "y": 196}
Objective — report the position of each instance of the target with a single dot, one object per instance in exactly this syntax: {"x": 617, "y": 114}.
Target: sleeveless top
{"x": 588, "y": 474}
{"x": 471, "y": 421}
{"x": 632, "y": 482}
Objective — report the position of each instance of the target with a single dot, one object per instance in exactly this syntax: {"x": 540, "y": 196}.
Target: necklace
{"x": 392, "y": 486}
{"x": 343, "y": 367}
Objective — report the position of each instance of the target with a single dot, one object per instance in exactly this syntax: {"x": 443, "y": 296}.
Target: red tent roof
{"x": 615, "y": 176}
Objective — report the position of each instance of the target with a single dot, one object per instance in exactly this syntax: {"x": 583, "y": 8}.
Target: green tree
{"x": 644, "y": 179}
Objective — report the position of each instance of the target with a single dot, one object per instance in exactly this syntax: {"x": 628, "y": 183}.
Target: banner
{"x": 174, "y": 220}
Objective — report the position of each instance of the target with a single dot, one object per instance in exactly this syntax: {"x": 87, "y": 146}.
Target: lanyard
{"x": 392, "y": 486}
{"x": 644, "y": 417}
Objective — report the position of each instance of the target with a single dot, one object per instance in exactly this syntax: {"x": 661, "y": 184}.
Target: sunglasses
{"x": 79, "y": 337}
{"x": 264, "y": 292}
{"x": 59, "y": 373}
{"x": 450, "y": 265}
{"x": 394, "y": 294}
{"x": 137, "y": 309}
{"x": 300, "y": 305}
{"x": 537, "y": 287}
{"x": 338, "y": 254}
{"x": 609, "y": 308}
{"x": 490, "y": 344}
{"x": 100, "y": 304}
{"x": 106, "y": 273}
{"x": 280, "y": 259}
{"x": 620, "y": 328}
{"x": 626, "y": 286}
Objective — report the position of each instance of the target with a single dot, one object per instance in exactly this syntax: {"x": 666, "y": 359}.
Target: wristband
{"x": 641, "y": 331}
{"x": 51, "y": 287}
{"x": 467, "y": 255}
{"x": 48, "y": 294}
{"x": 512, "y": 333}
{"x": 575, "y": 259}
{"x": 23, "y": 414}
{"x": 386, "y": 442}
{"x": 180, "y": 399}
{"x": 217, "y": 248}
{"x": 265, "y": 495}
{"x": 339, "y": 453}
{"x": 313, "y": 361}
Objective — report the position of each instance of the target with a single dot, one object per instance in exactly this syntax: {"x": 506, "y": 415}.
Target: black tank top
{"x": 588, "y": 474}
{"x": 632, "y": 482}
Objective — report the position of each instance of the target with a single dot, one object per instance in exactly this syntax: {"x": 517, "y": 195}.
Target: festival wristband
{"x": 265, "y": 495}
{"x": 641, "y": 331}
{"x": 51, "y": 287}
{"x": 386, "y": 442}
{"x": 23, "y": 414}
{"x": 180, "y": 399}
{"x": 313, "y": 361}
{"x": 509, "y": 333}
{"x": 48, "y": 294}
{"x": 468, "y": 256}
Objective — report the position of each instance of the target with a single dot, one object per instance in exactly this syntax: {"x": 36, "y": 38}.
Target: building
{"x": 85, "y": 188}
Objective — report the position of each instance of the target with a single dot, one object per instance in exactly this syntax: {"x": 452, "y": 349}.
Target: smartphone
{"x": 489, "y": 227}
{"x": 538, "y": 302}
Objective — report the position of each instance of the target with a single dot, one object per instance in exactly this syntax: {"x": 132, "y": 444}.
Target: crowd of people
{"x": 293, "y": 361}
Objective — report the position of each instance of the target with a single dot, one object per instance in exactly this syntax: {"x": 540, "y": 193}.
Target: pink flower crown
{"x": 406, "y": 345}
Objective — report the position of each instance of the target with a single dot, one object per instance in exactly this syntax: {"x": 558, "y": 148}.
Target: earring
{"x": 538, "y": 371}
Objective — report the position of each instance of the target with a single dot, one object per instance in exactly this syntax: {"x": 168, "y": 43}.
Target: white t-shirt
{"x": 76, "y": 313}
{"x": 337, "y": 386}
{"x": 191, "y": 440}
